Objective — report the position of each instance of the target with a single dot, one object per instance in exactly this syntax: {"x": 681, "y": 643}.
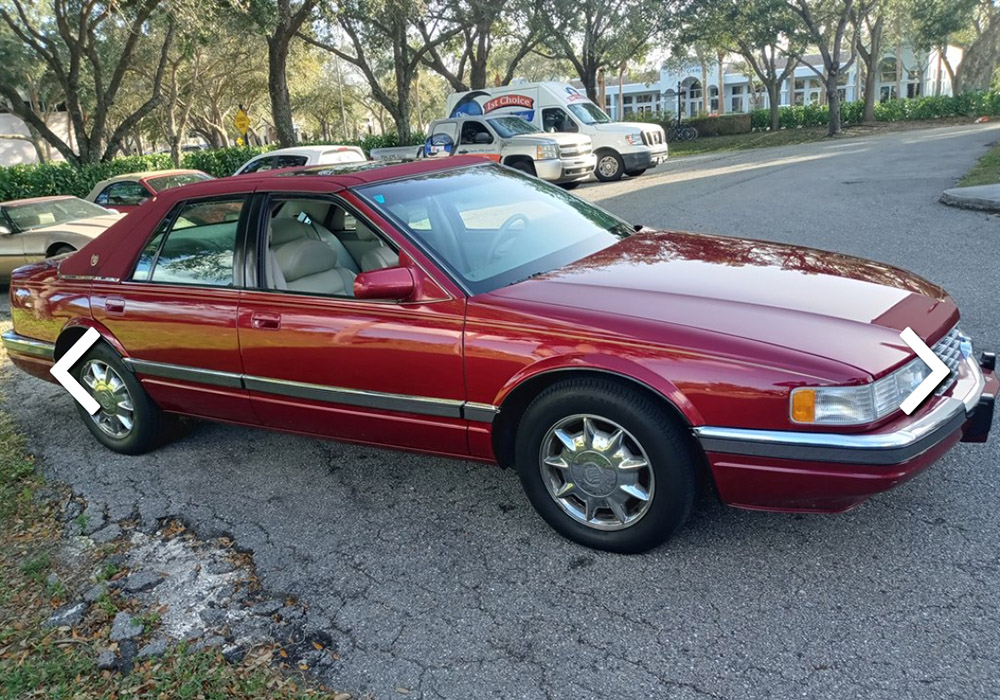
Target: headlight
{"x": 856, "y": 405}
{"x": 634, "y": 139}
{"x": 547, "y": 151}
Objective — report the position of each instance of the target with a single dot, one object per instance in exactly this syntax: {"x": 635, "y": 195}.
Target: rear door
{"x": 176, "y": 314}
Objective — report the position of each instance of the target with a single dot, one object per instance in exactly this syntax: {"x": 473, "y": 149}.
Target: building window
{"x": 806, "y": 92}
{"x": 736, "y": 101}
{"x": 887, "y": 70}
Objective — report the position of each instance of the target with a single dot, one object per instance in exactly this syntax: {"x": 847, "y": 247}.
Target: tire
{"x": 635, "y": 173}
{"x": 523, "y": 166}
{"x": 610, "y": 167}
{"x": 569, "y": 185}
{"x": 110, "y": 424}
{"x": 660, "y": 492}
{"x": 62, "y": 250}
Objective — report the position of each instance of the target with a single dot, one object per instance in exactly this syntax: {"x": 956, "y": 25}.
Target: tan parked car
{"x": 43, "y": 227}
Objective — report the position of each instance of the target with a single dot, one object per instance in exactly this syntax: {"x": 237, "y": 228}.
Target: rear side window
{"x": 196, "y": 246}
{"x": 291, "y": 161}
{"x": 259, "y": 165}
{"x": 123, "y": 194}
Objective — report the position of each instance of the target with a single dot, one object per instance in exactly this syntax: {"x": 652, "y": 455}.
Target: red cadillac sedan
{"x": 459, "y": 308}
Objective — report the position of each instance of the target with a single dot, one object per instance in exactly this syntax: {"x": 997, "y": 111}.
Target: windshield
{"x": 492, "y": 227}
{"x": 512, "y": 126}
{"x": 165, "y": 182}
{"x": 54, "y": 211}
{"x": 589, "y": 113}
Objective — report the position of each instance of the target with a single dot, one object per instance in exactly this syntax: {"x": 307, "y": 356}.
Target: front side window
{"x": 491, "y": 227}
{"x": 196, "y": 246}
{"x": 512, "y": 126}
{"x": 125, "y": 194}
{"x": 556, "y": 120}
{"x": 260, "y": 165}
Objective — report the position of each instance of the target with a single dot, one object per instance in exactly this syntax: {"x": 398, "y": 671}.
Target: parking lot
{"x": 436, "y": 579}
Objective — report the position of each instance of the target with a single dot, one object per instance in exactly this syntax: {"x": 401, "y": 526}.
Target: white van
{"x": 622, "y": 148}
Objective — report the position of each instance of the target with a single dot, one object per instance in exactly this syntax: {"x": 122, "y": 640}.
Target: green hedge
{"x": 59, "y": 177}
{"x": 971, "y": 104}
{"x": 721, "y": 125}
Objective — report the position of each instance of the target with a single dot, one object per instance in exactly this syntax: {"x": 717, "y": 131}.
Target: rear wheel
{"x": 61, "y": 250}
{"x": 605, "y": 466}
{"x": 635, "y": 173}
{"x": 127, "y": 421}
{"x": 610, "y": 166}
{"x": 569, "y": 185}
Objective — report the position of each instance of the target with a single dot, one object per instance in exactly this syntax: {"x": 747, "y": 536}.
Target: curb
{"x": 980, "y": 198}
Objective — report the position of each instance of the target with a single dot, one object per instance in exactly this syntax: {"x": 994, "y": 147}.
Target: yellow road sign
{"x": 242, "y": 122}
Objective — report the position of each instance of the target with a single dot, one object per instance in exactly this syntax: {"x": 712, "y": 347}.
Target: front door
{"x": 177, "y": 313}
{"x": 319, "y": 361}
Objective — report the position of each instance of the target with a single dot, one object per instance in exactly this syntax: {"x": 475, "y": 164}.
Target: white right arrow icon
{"x": 939, "y": 371}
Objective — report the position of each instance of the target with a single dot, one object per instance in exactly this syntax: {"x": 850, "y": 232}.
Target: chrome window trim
{"x": 13, "y": 342}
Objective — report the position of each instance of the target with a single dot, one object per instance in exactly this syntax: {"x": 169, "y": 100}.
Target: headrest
{"x": 365, "y": 233}
{"x": 300, "y": 259}
{"x": 337, "y": 221}
{"x": 284, "y": 229}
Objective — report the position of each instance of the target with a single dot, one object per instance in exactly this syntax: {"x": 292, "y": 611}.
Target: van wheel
{"x": 569, "y": 185}
{"x": 635, "y": 173}
{"x": 610, "y": 167}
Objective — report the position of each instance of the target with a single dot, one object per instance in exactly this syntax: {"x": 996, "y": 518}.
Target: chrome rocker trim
{"x": 423, "y": 405}
{"x": 886, "y": 448}
{"x": 13, "y": 342}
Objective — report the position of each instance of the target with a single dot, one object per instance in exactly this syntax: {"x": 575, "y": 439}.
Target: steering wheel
{"x": 503, "y": 234}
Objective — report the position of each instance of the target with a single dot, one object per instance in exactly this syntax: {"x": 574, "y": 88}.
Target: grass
{"x": 39, "y": 662}
{"x": 789, "y": 137}
{"x": 986, "y": 171}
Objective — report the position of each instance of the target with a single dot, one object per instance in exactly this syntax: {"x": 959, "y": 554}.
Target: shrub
{"x": 722, "y": 125}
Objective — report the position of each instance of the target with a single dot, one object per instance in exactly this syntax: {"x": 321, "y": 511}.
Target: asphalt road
{"x": 436, "y": 578}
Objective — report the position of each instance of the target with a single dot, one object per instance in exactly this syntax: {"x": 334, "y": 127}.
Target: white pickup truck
{"x": 565, "y": 159}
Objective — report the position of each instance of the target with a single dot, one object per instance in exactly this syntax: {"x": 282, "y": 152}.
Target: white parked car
{"x": 302, "y": 155}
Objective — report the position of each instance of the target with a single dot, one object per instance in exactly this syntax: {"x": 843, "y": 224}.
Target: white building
{"x": 921, "y": 74}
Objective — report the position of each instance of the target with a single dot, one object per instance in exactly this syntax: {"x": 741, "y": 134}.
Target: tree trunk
{"x": 871, "y": 62}
{"x": 277, "y": 86}
{"x": 833, "y": 100}
{"x": 722, "y": 84}
{"x": 976, "y": 70}
{"x": 478, "y": 59}
{"x": 588, "y": 76}
{"x": 774, "y": 103}
{"x": 869, "y": 115}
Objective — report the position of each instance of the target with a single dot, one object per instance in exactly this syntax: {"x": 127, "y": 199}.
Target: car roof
{"x": 145, "y": 175}
{"x": 306, "y": 150}
{"x": 33, "y": 200}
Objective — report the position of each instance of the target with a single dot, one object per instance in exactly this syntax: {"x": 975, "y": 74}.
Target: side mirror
{"x": 482, "y": 138}
{"x": 388, "y": 283}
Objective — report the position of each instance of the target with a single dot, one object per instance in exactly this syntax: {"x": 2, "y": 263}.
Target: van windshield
{"x": 589, "y": 113}
{"x": 512, "y": 126}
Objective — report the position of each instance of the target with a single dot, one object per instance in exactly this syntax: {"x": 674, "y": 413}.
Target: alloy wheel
{"x": 116, "y": 415}
{"x": 597, "y": 472}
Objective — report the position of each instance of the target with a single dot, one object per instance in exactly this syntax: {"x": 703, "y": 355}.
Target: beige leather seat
{"x": 376, "y": 254}
{"x": 309, "y": 265}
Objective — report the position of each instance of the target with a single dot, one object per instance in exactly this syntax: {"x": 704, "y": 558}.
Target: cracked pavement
{"x": 435, "y": 579}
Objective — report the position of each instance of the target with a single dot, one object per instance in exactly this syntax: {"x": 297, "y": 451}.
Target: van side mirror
{"x": 482, "y": 138}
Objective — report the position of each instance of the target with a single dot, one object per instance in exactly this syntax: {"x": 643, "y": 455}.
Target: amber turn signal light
{"x": 804, "y": 406}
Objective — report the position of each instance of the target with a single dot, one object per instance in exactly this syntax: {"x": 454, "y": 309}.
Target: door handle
{"x": 464, "y": 150}
{"x": 266, "y": 322}
{"x": 114, "y": 305}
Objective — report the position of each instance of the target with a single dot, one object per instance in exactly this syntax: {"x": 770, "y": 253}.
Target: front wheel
{"x": 127, "y": 421}
{"x": 569, "y": 185}
{"x": 523, "y": 166}
{"x": 610, "y": 166}
{"x": 605, "y": 466}
{"x": 635, "y": 173}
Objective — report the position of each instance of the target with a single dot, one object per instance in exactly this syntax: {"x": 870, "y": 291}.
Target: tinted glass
{"x": 197, "y": 248}
{"x": 512, "y": 126}
{"x": 291, "y": 161}
{"x": 259, "y": 165}
{"x": 126, "y": 194}
{"x": 53, "y": 211}
{"x": 167, "y": 181}
{"x": 589, "y": 113}
{"x": 491, "y": 227}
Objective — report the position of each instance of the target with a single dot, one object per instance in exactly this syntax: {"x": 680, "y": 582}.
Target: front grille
{"x": 653, "y": 137}
{"x": 574, "y": 151}
{"x": 949, "y": 349}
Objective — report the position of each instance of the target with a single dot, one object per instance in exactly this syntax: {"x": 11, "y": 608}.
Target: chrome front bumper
{"x": 892, "y": 446}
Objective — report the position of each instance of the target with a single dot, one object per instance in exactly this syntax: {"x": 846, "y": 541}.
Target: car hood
{"x": 91, "y": 228}
{"x": 563, "y": 139}
{"x": 826, "y": 304}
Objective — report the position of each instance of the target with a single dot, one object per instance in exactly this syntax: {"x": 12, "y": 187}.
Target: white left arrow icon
{"x": 60, "y": 370}
{"x": 939, "y": 371}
